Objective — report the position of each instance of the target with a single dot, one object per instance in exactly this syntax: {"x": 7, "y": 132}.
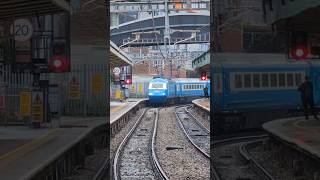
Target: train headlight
{"x": 150, "y": 94}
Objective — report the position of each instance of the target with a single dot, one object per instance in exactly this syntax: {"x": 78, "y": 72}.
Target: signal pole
{"x": 166, "y": 35}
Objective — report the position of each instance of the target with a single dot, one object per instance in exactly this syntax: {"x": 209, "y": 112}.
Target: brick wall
{"x": 146, "y": 68}
{"x": 231, "y": 40}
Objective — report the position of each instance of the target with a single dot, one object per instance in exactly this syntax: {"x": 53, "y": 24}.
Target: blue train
{"x": 250, "y": 89}
{"x": 163, "y": 91}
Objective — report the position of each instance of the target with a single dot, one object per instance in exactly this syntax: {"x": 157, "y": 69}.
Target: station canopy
{"x": 299, "y": 15}
{"x": 118, "y": 57}
{"x": 202, "y": 63}
{"x": 12, "y": 9}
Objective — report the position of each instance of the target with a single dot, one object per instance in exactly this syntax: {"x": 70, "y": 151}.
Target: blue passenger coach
{"x": 191, "y": 87}
{"x": 255, "y": 87}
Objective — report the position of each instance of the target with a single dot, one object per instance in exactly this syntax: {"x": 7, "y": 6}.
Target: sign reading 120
{"x": 23, "y": 30}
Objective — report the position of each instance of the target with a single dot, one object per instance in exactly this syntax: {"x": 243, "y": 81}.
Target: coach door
{"x": 316, "y": 84}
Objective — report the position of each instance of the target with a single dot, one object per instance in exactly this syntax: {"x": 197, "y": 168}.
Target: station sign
{"x": 97, "y": 83}
{"x": 37, "y": 107}
{"x": 25, "y": 103}
{"x": 74, "y": 89}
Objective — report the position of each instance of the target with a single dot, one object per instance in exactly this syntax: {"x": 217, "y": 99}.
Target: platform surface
{"x": 302, "y": 134}
{"x": 203, "y": 103}
{"x": 25, "y": 150}
{"x": 117, "y": 109}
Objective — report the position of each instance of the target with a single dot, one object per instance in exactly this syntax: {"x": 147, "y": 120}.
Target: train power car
{"x": 250, "y": 89}
{"x": 161, "y": 91}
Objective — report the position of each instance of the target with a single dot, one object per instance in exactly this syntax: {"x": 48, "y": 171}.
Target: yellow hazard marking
{"x": 116, "y": 109}
{"x": 119, "y": 94}
{"x": 97, "y": 83}
{"x": 74, "y": 89}
{"x": 140, "y": 88}
{"x": 25, "y": 103}
{"x": 26, "y": 148}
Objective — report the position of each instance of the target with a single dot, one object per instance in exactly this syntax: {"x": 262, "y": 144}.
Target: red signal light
{"x": 58, "y": 64}
{"x": 128, "y": 81}
{"x": 300, "y": 52}
{"x": 203, "y": 76}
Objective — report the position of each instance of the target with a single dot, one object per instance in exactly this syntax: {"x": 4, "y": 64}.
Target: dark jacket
{"x": 306, "y": 89}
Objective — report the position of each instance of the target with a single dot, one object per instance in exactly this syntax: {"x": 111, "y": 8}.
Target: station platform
{"x": 24, "y": 150}
{"x": 117, "y": 109}
{"x": 304, "y": 135}
{"x": 202, "y": 103}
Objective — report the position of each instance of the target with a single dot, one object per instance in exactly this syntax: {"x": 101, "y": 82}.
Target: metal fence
{"x": 11, "y": 85}
{"x": 81, "y": 92}
{"x": 135, "y": 90}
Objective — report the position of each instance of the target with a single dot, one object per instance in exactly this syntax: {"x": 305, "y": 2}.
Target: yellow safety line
{"x": 28, "y": 146}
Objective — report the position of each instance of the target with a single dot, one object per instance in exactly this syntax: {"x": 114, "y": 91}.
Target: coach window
{"x": 290, "y": 80}
{"x": 298, "y": 78}
{"x": 265, "y": 80}
{"x": 273, "y": 80}
{"x": 238, "y": 81}
{"x": 247, "y": 80}
{"x": 256, "y": 80}
{"x": 282, "y": 80}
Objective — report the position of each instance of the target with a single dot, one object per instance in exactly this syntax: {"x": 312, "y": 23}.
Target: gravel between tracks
{"x": 135, "y": 162}
{"x": 203, "y": 120}
{"x": 186, "y": 163}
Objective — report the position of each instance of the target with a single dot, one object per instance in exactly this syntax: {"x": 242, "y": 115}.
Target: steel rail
{"x": 116, "y": 176}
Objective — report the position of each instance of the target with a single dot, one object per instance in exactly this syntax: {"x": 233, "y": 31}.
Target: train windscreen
{"x": 157, "y": 86}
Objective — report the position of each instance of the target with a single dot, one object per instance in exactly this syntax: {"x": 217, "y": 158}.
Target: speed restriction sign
{"x": 22, "y": 30}
{"x": 116, "y": 70}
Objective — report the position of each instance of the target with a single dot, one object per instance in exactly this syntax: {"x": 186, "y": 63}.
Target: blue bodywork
{"x": 281, "y": 95}
{"x": 162, "y": 90}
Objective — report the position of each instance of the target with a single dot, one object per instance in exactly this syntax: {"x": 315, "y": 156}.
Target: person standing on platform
{"x": 205, "y": 90}
{"x": 306, "y": 91}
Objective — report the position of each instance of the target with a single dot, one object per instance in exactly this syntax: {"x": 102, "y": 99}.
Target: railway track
{"x": 196, "y": 133}
{"x": 231, "y": 154}
{"x": 135, "y": 157}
